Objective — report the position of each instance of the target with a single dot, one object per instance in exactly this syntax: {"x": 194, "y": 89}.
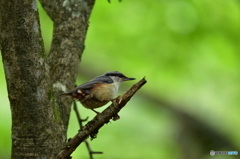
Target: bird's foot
{"x": 115, "y": 104}
{"x": 96, "y": 111}
{"x": 115, "y": 117}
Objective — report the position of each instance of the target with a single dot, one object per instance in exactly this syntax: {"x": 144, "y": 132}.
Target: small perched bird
{"x": 98, "y": 91}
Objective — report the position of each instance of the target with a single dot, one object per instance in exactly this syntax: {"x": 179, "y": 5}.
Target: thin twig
{"x": 80, "y": 120}
{"x": 92, "y": 127}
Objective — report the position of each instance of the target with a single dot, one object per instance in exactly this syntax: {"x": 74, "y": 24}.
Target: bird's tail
{"x": 64, "y": 94}
{"x": 67, "y": 93}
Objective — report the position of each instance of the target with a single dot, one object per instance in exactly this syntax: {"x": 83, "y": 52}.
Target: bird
{"x": 98, "y": 91}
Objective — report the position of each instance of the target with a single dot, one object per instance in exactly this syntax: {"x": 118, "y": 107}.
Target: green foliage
{"x": 188, "y": 51}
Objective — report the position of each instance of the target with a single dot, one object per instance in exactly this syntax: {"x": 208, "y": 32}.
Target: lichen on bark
{"x": 39, "y": 118}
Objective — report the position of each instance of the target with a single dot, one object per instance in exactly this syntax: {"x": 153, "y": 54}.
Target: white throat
{"x": 116, "y": 82}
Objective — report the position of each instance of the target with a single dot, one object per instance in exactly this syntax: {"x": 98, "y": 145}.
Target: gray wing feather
{"x": 89, "y": 85}
{"x": 97, "y": 80}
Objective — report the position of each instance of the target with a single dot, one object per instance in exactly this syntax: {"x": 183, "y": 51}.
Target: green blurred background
{"x": 189, "y": 52}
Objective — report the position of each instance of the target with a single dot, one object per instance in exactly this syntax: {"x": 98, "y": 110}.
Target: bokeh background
{"x": 189, "y": 52}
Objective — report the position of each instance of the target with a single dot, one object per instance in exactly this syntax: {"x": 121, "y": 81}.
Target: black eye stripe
{"x": 115, "y": 73}
{"x": 118, "y": 75}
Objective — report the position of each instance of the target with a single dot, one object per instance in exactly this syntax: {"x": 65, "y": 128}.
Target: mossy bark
{"x": 34, "y": 78}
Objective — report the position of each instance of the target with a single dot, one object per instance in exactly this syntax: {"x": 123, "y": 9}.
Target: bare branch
{"x": 92, "y": 127}
{"x": 80, "y": 120}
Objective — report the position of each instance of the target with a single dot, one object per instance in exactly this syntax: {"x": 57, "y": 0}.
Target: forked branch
{"x": 80, "y": 121}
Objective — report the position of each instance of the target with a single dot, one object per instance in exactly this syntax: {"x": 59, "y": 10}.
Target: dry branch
{"x": 92, "y": 127}
{"x": 80, "y": 121}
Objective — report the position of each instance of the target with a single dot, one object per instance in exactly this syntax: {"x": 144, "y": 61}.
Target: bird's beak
{"x": 128, "y": 79}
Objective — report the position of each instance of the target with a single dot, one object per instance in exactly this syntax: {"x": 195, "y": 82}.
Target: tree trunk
{"x": 34, "y": 78}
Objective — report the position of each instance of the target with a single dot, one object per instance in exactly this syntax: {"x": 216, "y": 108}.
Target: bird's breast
{"x": 104, "y": 92}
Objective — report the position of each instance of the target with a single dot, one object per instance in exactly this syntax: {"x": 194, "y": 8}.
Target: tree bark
{"x": 34, "y": 78}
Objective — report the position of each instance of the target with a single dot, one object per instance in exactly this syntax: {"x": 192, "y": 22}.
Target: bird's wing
{"x": 86, "y": 87}
{"x": 97, "y": 80}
